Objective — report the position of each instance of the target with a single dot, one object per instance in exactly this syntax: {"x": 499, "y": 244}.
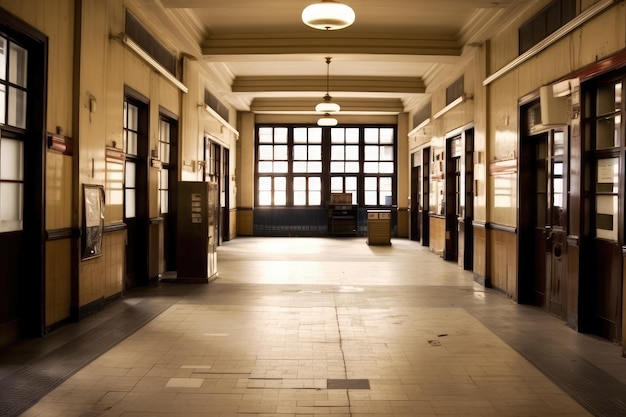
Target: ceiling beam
{"x": 403, "y": 85}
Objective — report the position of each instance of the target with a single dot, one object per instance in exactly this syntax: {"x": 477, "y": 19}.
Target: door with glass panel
{"x": 135, "y": 127}
{"x": 605, "y": 217}
{"x": 168, "y": 180}
{"x": 542, "y": 215}
{"x": 22, "y": 66}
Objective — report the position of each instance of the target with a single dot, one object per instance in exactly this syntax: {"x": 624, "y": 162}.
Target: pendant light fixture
{"x": 327, "y": 121}
{"x": 327, "y": 106}
{"x": 328, "y": 15}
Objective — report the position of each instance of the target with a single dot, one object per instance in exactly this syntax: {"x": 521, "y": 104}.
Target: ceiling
{"x": 267, "y": 60}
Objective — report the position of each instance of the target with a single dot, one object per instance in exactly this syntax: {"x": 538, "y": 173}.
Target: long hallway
{"x": 316, "y": 326}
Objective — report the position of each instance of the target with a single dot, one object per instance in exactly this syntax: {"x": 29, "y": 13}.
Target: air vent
{"x": 142, "y": 37}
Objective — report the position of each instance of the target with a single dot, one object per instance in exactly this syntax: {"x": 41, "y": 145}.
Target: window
{"x": 164, "y": 154}
{"x": 546, "y": 22}
{"x": 13, "y": 97}
{"x": 272, "y": 166}
{"x": 131, "y": 126}
{"x": 296, "y": 165}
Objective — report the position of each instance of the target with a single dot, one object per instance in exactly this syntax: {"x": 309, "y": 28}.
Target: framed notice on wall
{"x": 93, "y": 221}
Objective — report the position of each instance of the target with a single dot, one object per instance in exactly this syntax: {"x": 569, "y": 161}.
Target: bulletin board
{"x": 93, "y": 221}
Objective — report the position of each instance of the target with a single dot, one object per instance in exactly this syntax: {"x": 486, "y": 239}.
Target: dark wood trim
{"x": 168, "y": 114}
{"x": 502, "y": 228}
{"x": 155, "y": 220}
{"x": 114, "y": 227}
{"x": 64, "y": 233}
{"x": 245, "y": 208}
{"x": 624, "y": 251}
{"x": 611, "y": 63}
{"x": 437, "y": 216}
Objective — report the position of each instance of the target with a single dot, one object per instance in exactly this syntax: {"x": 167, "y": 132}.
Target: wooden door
{"x": 136, "y": 192}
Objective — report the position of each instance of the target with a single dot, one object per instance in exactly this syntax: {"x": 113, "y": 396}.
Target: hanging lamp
{"x": 327, "y": 120}
{"x": 328, "y": 15}
{"x": 327, "y": 106}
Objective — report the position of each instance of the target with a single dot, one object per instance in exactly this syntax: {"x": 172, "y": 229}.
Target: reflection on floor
{"x": 312, "y": 326}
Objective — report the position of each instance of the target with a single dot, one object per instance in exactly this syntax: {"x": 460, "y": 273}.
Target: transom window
{"x": 302, "y": 165}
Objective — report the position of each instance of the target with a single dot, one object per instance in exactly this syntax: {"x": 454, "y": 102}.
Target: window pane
{"x": 18, "y": 60}
{"x": 315, "y": 183}
{"x": 11, "y": 159}
{"x": 370, "y": 198}
{"x": 350, "y": 183}
{"x": 300, "y": 152}
{"x": 352, "y": 167}
{"x": 300, "y": 135}
{"x": 315, "y": 198}
{"x": 281, "y": 152}
{"x": 280, "y": 167}
{"x": 164, "y": 201}
{"x": 606, "y": 216}
{"x": 265, "y": 198}
{"x": 371, "y": 135}
{"x": 386, "y": 153}
{"x": 265, "y": 167}
{"x": 2, "y": 103}
{"x": 299, "y": 166}
{"x": 371, "y": 183}
{"x": 164, "y": 131}
{"x": 386, "y": 135}
{"x": 386, "y": 167}
{"x": 164, "y": 153}
{"x": 133, "y": 120}
{"x": 299, "y": 198}
{"x": 280, "y": 183}
{"x": 129, "y": 203}
{"x": 337, "y": 167}
{"x": 337, "y": 135}
{"x": 131, "y": 143}
{"x": 385, "y": 184}
{"x": 280, "y": 198}
{"x": 352, "y": 153}
{"x": 371, "y": 153}
{"x": 315, "y": 167}
{"x": 370, "y": 167}
{"x": 352, "y": 135}
{"x": 280, "y": 135}
{"x": 11, "y": 206}
{"x": 315, "y": 152}
{"x": 3, "y": 58}
{"x": 266, "y": 135}
{"x": 336, "y": 184}
{"x": 315, "y": 135}
{"x": 266, "y": 152}
{"x": 337, "y": 152}
{"x": 265, "y": 183}
{"x": 129, "y": 175}
{"x": 299, "y": 183}
{"x": 17, "y": 108}
{"x": 165, "y": 175}
{"x": 385, "y": 198}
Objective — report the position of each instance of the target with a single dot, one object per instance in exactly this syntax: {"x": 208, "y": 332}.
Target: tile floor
{"x": 328, "y": 327}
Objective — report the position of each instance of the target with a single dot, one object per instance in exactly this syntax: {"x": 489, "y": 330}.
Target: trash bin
{"x": 379, "y": 227}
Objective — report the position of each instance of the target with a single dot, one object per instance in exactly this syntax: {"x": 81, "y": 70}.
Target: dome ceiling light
{"x": 328, "y": 15}
{"x": 327, "y": 106}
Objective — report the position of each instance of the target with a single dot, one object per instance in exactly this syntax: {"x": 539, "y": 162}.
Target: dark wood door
{"x": 415, "y": 203}
{"x": 424, "y": 198}
{"x": 136, "y": 192}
